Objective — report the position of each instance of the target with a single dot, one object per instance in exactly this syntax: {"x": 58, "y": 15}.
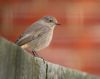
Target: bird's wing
{"x": 24, "y": 39}
{"x": 30, "y": 35}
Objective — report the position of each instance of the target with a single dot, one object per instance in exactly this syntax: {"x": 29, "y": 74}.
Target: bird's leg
{"x": 36, "y": 54}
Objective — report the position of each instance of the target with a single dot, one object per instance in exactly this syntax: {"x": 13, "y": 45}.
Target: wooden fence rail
{"x": 18, "y": 64}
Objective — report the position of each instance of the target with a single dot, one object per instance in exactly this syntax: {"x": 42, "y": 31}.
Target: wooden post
{"x": 18, "y": 64}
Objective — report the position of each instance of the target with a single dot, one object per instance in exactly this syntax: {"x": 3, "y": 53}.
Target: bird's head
{"x": 49, "y": 21}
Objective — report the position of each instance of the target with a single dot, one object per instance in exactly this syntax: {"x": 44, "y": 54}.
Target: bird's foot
{"x": 36, "y": 55}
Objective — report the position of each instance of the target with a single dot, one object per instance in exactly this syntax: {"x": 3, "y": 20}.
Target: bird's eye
{"x": 50, "y": 20}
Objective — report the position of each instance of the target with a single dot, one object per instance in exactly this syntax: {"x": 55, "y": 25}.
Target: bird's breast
{"x": 41, "y": 42}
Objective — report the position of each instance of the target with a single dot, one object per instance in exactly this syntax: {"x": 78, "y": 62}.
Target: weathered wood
{"x": 18, "y": 64}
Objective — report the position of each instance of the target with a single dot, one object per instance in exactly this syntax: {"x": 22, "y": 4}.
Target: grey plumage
{"x": 39, "y": 34}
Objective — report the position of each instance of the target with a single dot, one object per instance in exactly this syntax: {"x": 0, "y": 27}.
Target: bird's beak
{"x": 58, "y": 24}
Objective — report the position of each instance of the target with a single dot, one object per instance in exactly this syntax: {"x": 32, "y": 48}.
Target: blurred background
{"x": 76, "y": 43}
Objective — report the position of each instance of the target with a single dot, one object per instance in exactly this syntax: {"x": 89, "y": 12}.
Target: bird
{"x": 39, "y": 35}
